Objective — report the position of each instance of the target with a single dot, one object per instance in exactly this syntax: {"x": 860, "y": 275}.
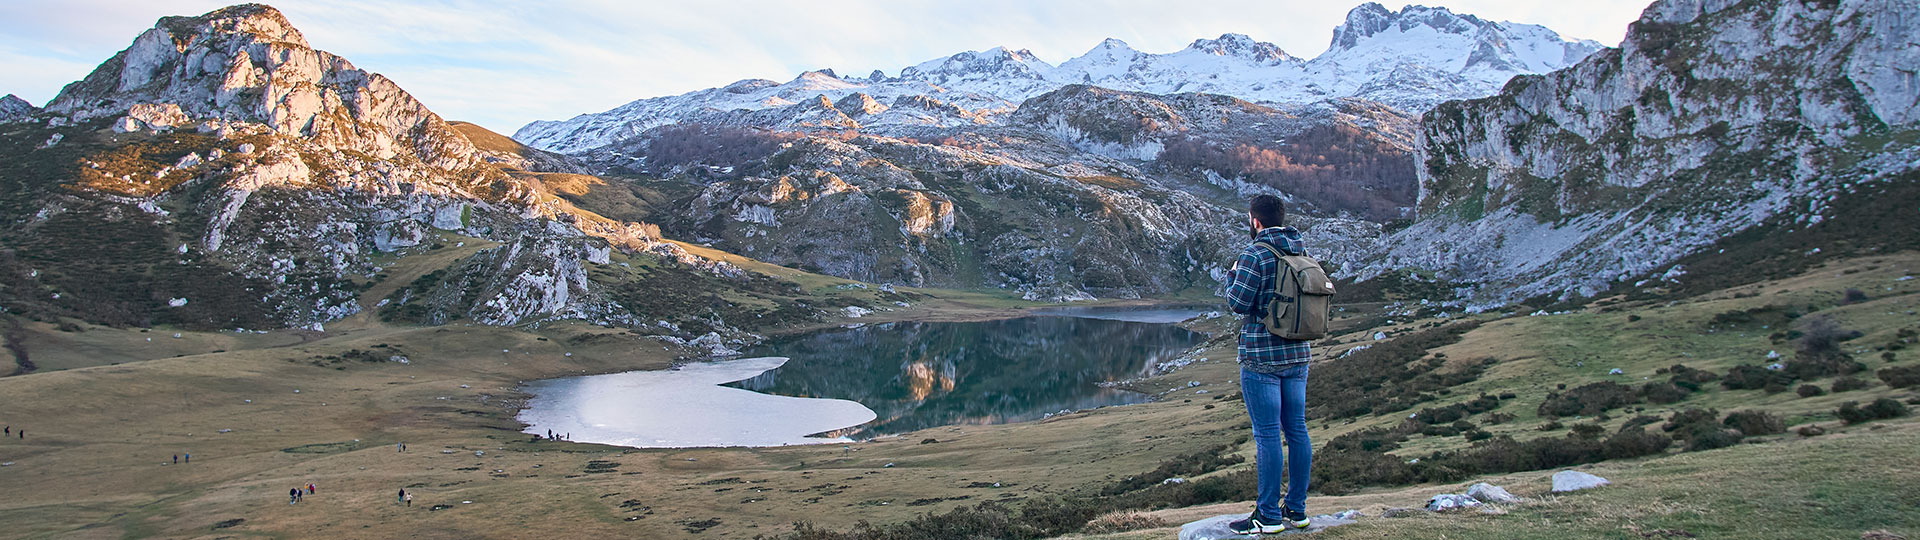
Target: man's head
{"x": 1267, "y": 211}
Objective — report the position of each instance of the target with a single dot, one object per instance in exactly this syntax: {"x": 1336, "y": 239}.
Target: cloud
{"x": 502, "y": 64}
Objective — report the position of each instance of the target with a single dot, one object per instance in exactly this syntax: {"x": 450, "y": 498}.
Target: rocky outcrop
{"x": 14, "y": 109}
{"x": 285, "y": 169}
{"x": 1712, "y": 117}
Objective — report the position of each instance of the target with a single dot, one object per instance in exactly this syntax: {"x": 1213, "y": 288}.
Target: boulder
{"x": 1215, "y": 528}
{"x": 1489, "y": 493}
{"x": 1565, "y": 481}
{"x": 1451, "y": 501}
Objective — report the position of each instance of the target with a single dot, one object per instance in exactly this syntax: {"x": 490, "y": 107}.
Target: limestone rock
{"x": 1451, "y": 501}
{"x": 1215, "y": 528}
{"x": 1489, "y": 493}
{"x": 1565, "y": 481}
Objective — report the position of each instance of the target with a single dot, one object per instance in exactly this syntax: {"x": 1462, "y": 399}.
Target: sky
{"x": 502, "y": 64}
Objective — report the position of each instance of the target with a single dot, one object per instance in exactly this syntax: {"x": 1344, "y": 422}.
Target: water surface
{"x": 917, "y": 375}
{"x": 684, "y": 407}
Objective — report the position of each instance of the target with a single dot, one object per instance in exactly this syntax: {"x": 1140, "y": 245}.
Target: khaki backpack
{"x": 1302, "y": 297}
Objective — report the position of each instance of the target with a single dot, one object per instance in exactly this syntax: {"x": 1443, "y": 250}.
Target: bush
{"x": 1848, "y": 384}
{"x": 1900, "y": 377}
{"x": 1551, "y": 426}
{"x": 1587, "y": 400}
{"x": 1386, "y": 377}
{"x": 1811, "y": 430}
{"x": 1852, "y": 413}
{"x": 1708, "y": 439}
{"x": 1663, "y": 392}
{"x": 1477, "y": 435}
{"x": 1634, "y": 443}
{"x": 1752, "y": 423}
{"x": 1753, "y": 378}
{"x": 1499, "y": 418}
{"x": 1808, "y": 390}
{"x": 1886, "y": 408}
{"x": 1588, "y": 431}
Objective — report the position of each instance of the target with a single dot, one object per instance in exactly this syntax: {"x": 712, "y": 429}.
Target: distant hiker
{"x": 409, "y": 499}
{"x": 293, "y": 495}
{"x": 176, "y": 459}
{"x": 9, "y": 430}
{"x": 403, "y": 447}
{"x": 1273, "y": 360}
{"x": 402, "y": 497}
{"x": 189, "y": 457}
{"x": 310, "y": 489}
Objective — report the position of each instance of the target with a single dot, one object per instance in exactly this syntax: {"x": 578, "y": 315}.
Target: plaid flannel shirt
{"x": 1249, "y": 289}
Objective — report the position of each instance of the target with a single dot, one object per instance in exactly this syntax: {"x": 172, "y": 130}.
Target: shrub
{"x": 1900, "y": 377}
{"x": 1848, "y": 384}
{"x": 1752, "y": 423}
{"x": 1747, "y": 378}
{"x": 1588, "y": 431}
{"x": 1808, "y": 390}
{"x": 1499, "y": 418}
{"x": 1587, "y": 400}
{"x": 1339, "y": 473}
{"x": 1477, "y": 435}
{"x": 1886, "y": 408}
{"x": 1852, "y": 413}
{"x": 1190, "y": 464}
{"x": 1551, "y": 426}
{"x": 1854, "y": 296}
{"x": 1637, "y": 421}
{"x": 1634, "y": 443}
{"x": 1387, "y": 377}
{"x": 1684, "y": 423}
{"x": 1811, "y": 430}
{"x": 1708, "y": 439}
{"x": 1663, "y": 392}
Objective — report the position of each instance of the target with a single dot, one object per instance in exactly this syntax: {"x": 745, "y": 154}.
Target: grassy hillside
{"x": 105, "y": 433}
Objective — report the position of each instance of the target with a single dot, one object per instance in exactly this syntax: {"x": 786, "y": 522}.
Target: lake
{"x": 871, "y": 380}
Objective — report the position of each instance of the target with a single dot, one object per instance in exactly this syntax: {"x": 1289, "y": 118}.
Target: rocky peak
{"x": 1369, "y": 19}
{"x": 247, "y": 64}
{"x": 13, "y": 108}
{"x": 997, "y": 61}
{"x": 1242, "y": 46}
{"x": 1111, "y": 43}
{"x": 859, "y": 103}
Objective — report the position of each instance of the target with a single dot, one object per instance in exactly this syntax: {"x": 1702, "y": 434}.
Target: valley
{"x": 232, "y": 263}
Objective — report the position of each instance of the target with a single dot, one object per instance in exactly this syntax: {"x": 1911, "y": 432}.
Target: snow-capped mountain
{"x": 1410, "y": 59}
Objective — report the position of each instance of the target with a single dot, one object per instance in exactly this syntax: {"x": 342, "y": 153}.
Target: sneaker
{"x": 1256, "y": 524}
{"x": 1296, "y": 518}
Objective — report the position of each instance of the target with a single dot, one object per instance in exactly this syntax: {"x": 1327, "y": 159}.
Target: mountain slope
{"x": 1712, "y": 118}
{"x": 220, "y": 172}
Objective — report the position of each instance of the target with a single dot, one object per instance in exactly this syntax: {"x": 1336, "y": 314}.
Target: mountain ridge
{"x": 1472, "y": 60}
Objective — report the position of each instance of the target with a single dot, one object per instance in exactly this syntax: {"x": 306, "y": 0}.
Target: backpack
{"x": 1302, "y": 297}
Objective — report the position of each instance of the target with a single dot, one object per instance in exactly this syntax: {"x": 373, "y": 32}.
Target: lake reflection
{"x": 921, "y": 375}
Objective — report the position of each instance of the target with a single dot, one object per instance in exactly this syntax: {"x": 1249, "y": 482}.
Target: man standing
{"x": 1273, "y": 375}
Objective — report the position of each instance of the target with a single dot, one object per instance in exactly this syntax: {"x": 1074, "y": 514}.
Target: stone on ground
{"x": 1451, "y": 501}
{"x": 1215, "y": 528}
{"x": 1489, "y": 493}
{"x": 1565, "y": 481}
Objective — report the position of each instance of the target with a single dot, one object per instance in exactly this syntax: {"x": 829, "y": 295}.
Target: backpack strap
{"x": 1280, "y": 263}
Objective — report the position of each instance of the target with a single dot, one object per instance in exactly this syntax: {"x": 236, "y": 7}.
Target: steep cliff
{"x": 1712, "y": 117}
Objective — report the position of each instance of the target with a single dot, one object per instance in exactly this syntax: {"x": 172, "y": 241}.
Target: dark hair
{"x": 1268, "y": 210}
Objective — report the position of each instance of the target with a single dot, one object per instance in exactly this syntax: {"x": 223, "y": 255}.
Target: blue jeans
{"x": 1277, "y": 403}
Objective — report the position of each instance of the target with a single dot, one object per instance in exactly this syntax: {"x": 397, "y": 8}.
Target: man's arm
{"x": 1242, "y": 286}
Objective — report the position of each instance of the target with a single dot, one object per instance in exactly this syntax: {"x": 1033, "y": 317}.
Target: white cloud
{"x": 502, "y": 64}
